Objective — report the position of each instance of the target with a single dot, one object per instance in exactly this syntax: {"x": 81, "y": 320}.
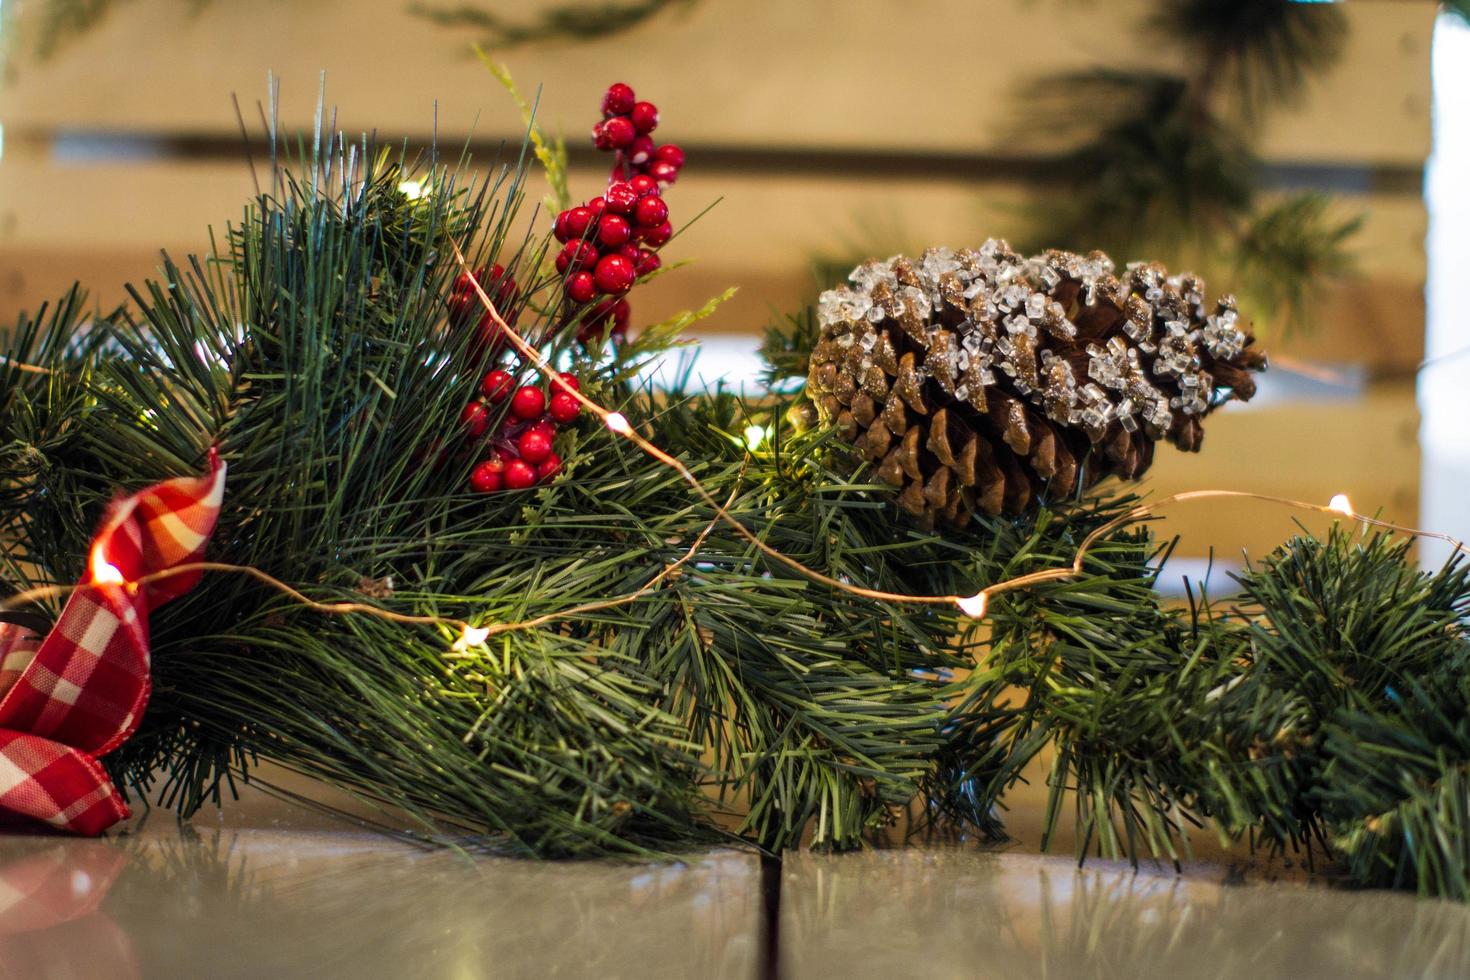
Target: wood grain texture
{"x": 929, "y": 74}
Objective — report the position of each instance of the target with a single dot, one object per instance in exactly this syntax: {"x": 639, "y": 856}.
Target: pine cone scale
{"x": 980, "y": 379}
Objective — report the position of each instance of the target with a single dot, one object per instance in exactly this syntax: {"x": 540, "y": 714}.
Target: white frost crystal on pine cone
{"x": 979, "y": 378}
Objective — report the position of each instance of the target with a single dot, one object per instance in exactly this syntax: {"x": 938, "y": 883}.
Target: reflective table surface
{"x": 274, "y": 891}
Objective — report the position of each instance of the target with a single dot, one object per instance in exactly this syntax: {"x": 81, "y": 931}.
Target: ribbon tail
{"x": 57, "y": 784}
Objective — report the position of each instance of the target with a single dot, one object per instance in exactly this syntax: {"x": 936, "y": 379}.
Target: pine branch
{"x": 1290, "y": 252}
{"x": 50, "y": 492}
{"x": 312, "y": 350}
{"x": 1259, "y": 51}
{"x": 569, "y": 22}
{"x": 1152, "y": 173}
{"x": 1324, "y": 704}
{"x": 1161, "y": 165}
{"x": 787, "y": 348}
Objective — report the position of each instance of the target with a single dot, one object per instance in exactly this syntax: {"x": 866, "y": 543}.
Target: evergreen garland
{"x": 1322, "y": 707}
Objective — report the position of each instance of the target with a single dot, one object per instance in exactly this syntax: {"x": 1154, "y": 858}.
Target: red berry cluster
{"x": 520, "y": 451}
{"x": 612, "y": 240}
{"x": 624, "y": 129}
{"x": 465, "y": 307}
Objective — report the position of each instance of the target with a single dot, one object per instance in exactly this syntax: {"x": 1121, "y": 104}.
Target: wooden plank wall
{"x": 793, "y": 89}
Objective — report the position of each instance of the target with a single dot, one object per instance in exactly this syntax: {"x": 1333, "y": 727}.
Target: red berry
{"x": 659, "y": 237}
{"x": 496, "y": 385}
{"x": 565, "y": 382}
{"x": 581, "y": 287}
{"x": 618, "y": 131}
{"x": 489, "y": 338}
{"x": 519, "y": 475}
{"x": 559, "y": 227}
{"x": 564, "y": 408}
{"x": 475, "y": 418}
{"x": 500, "y": 287}
{"x": 489, "y": 476}
{"x": 596, "y": 206}
{"x": 549, "y": 468}
{"x": 595, "y": 328}
{"x": 527, "y": 402}
{"x": 644, "y": 116}
{"x": 533, "y": 445}
{"x": 594, "y": 323}
{"x": 670, "y": 153}
{"x": 613, "y": 230}
{"x": 600, "y": 137}
{"x": 463, "y": 308}
{"x": 464, "y": 282}
{"x": 578, "y": 221}
{"x": 644, "y": 185}
{"x": 618, "y": 101}
{"x": 651, "y": 212}
{"x": 621, "y": 197}
{"x": 576, "y": 255}
{"x": 505, "y": 301}
{"x": 640, "y": 151}
{"x": 646, "y": 262}
{"x": 614, "y": 274}
{"x": 663, "y": 171}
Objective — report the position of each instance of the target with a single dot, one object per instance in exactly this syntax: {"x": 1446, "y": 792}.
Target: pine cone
{"x": 981, "y": 379}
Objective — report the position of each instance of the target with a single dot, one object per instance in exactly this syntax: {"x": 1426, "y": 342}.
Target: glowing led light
{"x": 412, "y": 189}
{"x": 973, "y": 605}
{"x": 756, "y": 436}
{"x": 1342, "y": 505}
{"x": 105, "y": 572}
{"x": 617, "y": 423}
{"x": 472, "y": 636}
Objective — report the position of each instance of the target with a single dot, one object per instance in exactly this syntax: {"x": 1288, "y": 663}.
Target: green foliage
{"x": 1152, "y": 174}
{"x": 1322, "y": 707}
{"x": 1288, "y": 249}
{"x": 551, "y": 153}
{"x": 568, "y": 22}
{"x": 1159, "y": 163}
{"x": 311, "y": 347}
{"x": 61, "y": 21}
{"x": 1259, "y": 52}
{"x": 787, "y": 348}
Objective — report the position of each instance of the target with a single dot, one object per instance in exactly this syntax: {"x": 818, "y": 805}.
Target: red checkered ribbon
{"x": 73, "y": 697}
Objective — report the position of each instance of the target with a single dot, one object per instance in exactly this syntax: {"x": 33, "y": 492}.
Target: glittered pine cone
{"x": 980, "y": 379}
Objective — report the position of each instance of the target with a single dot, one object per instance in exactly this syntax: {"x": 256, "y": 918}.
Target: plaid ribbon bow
{"x": 73, "y": 697}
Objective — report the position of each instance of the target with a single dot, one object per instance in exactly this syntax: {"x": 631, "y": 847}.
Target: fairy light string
{"x": 971, "y": 605}
{"x": 618, "y": 424}
{"x": 104, "y": 575}
{"x": 480, "y": 634}
{"x": 23, "y": 366}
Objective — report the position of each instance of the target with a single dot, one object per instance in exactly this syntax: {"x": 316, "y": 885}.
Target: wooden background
{"x": 826, "y": 126}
